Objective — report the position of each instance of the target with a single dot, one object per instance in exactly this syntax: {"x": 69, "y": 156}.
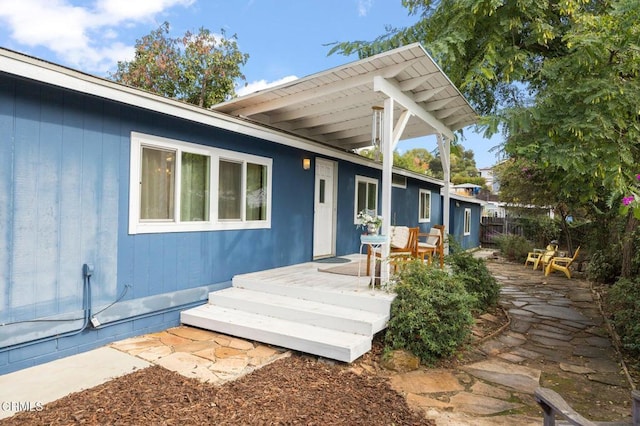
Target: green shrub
{"x": 476, "y": 278}
{"x": 540, "y": 229}
{"x": 513, "y": 247}
{"x": 431, "y": 314}
{"x": 623, "y": 301}
{"x": 604, "y": 266}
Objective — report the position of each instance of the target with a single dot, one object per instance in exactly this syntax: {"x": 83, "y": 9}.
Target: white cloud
{"x": 82, "y": 36}
{"x": 122, "y": 10}
{"x": 263, "y": 84}
{"x": 364, "y": 6}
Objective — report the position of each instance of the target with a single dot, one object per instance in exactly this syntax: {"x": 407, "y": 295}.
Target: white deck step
{"x": 364, "y": 300}
{"x": 301, "y": 311}
{"x": 320, "y": 341}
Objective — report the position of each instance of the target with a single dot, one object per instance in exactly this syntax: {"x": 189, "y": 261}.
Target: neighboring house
{"x": 138, "y": 206}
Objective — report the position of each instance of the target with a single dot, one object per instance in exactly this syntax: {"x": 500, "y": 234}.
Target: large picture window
{"x": 366, "y": 195}
{"x": 178, "y": 186}
{"x": 424, "y": 207}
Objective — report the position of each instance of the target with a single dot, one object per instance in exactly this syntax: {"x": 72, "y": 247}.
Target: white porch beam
{"x": 447, "y": 112}
{"x": 412, "y": 83}
{"x": 321, "y": 90}
{"x": 444, "y": 148}
{"x": 327, "y": 106}
{"x": 435, "y": 105}
{"x": 387, "y": 167}
{"x": 399, "y": 129}
{"x": 391, "y": 90}
{"x": 428, "y": 94}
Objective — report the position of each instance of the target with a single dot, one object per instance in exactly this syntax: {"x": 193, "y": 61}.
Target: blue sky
{"x": 285, "y": 39}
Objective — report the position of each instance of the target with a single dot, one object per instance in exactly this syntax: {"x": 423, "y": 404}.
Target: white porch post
{"x": 387, "y": 166}
{"x": 444, "y": 146}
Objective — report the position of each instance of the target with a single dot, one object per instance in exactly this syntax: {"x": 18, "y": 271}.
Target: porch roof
{"x": 334, "y": 107}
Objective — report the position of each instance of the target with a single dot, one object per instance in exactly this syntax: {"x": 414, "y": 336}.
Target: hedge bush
{"x": 605, "y": 265}
{"x": 623, "y": 301}
{"x": 513, "y": 247}
{"x": 472, "y": 272}
{"x": 431, "y": 314}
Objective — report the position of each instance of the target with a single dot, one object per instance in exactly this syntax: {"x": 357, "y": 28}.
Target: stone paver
{"x": 517, "y": 377}
{"x": 208, "y": 356}
{"x": 483, "y": 405}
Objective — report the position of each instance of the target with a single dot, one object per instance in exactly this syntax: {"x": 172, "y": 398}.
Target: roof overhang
{"x": 334, "y": 107}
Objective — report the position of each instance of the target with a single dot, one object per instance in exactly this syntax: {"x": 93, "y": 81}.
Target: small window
{"x": 467, "y": 221}
{"x": 424, "y": 206}
{"x": 398, "y": 181}
{"x": 366, "y": 195}
{"x": 322, "y": 191}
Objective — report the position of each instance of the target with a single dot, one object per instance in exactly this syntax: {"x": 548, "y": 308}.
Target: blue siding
{"x": 456, "y": 224}
{"x": 7, "y": 108}
{"x": 64, "y": 201}
{"x": 404, "y": 209}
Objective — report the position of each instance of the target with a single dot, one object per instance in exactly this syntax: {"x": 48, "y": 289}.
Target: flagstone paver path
{"x": 556, "y": 338}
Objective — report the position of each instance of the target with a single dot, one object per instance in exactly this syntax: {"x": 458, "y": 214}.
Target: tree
{"x": 197, "y": 68}
{"x": 559, "y": 77}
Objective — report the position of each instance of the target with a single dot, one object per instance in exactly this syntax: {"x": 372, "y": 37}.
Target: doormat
{"x": 333, "y": 260}
{"x": 347, "y": 269}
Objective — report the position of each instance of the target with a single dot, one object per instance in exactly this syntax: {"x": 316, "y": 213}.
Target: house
{"x": 120, "y": 208}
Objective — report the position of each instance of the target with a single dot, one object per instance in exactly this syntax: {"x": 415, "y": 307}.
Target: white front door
{"x": 324, "y": 210}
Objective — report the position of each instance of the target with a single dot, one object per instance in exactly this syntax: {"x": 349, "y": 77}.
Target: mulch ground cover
{"x": 293, "y": 391}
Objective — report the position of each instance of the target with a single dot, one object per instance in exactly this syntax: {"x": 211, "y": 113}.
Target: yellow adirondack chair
{"x": 561, "y": 264}
{"x": 541, "y": 257}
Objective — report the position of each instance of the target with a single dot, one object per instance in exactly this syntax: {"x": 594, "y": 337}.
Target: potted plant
{"x": 369, "y": 222}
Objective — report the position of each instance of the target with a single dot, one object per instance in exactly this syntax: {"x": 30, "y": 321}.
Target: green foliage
{"x": 197, "y": 68}
{"x": 513, "y": 247}
{"x": 561, "y": 80}
{"x": 623, "y": 301}
{"x": 540, "y": 229}
{"x": 475, "y": 277}
{"x": 604, "y": 266}
{"x": 430, "y": 315}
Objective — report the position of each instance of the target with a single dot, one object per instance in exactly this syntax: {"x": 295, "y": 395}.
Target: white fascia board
{"x": 463, "y": 198}
{"x": 56, "y": 75}
{"x": 387, "y": 87}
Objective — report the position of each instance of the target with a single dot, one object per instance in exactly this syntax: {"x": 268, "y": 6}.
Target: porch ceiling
{"x": 334, "y": 107}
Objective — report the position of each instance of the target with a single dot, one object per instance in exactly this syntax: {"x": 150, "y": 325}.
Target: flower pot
{"x": 372, "y": 229}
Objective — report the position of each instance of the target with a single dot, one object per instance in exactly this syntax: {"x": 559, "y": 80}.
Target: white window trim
{"x": 420, "y": 219}
{"x": 136, "y": 226}
{"x": 365, "y": 179}
{"x": 467, "y": 222}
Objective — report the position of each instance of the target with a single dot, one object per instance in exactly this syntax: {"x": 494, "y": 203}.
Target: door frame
{"x": 334, "y": 201}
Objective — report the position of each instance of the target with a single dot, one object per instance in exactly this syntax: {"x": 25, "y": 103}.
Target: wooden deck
{"x": 300, "y": 307}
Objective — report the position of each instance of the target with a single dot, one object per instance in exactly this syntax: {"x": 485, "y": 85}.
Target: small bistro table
{"x": 374, "y": 241}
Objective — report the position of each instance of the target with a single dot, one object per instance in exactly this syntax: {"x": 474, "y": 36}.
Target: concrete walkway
{"x": 556, "y": 338}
